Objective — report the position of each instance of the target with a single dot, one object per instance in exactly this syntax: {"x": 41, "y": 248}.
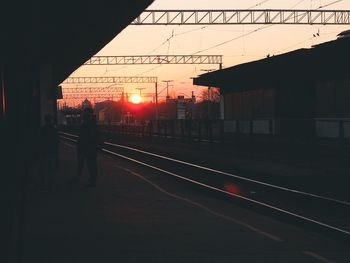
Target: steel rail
{"x": 232, "y": 194}
{"x": 265, "y": 205}
{"x": 69, "y": 134}
{"x": 229, "y": 174}
{"x": 232, "y": 175}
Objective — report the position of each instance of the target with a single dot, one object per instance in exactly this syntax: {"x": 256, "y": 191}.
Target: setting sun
{"x": 136, "y": 99}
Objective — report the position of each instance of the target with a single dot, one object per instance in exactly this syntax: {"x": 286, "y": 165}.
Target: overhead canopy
{"x": 63, "y": 33}
{"x": 326, "y": 61}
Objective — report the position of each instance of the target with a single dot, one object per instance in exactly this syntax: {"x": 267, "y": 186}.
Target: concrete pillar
{"x": 222, "y": 107}
{"x": 47, "y": 99}
{"x": 19, "y": 146}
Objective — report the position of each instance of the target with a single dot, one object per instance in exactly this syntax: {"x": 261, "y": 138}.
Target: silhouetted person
{"x": 49, "y": 152}
{"x": 87, "y": 147}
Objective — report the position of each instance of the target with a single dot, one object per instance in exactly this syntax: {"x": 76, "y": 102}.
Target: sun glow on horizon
{"x": 136, "y": 99}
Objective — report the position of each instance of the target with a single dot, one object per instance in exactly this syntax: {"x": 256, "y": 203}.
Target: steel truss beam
{"x": 154, "y": 59}
{"x": 91, "y": 92}
{"x": 232, "y": 17}
{"x": 90, "y": 96}
{"x": 91, "y": 80}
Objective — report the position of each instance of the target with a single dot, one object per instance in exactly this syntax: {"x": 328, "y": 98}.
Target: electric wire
{"x": 190, "y": 31}
{"x": 255, "y": 30}
{"x": 173, "y": 35}
{"x": 259, "y": 4}
{"x": 233, "y": 39}
{"x": 298, "y": 3}
{"x": 329, "y": 4}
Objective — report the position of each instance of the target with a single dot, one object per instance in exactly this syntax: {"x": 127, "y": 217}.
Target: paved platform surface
{"x": 138, "y": 215}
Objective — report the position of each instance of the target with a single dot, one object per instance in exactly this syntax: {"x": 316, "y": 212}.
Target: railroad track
{"x": 315, "y": 211}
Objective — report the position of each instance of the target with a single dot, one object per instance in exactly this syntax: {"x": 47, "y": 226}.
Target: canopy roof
{"x": 63, "y": 33}
{"x": 326, "y": 61}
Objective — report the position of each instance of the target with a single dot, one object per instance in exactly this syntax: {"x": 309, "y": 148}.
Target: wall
{"x": 333, "y": 99}
{"x": 250, "y": 104}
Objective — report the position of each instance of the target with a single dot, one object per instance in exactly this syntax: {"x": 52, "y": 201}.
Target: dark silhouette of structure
{"x": 301, "y": 94}
{"x": 35, "y": 58}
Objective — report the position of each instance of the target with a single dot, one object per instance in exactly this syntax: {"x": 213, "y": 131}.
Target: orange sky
{"x": 187, "y": 40}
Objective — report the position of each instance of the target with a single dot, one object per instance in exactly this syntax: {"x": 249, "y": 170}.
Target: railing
{"x": 301, "y": 130}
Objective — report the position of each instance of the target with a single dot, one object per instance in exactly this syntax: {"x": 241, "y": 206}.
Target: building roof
{"x": 326, "y": 61}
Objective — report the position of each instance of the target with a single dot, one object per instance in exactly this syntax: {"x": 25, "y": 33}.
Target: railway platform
{"x": 136, "y": 214}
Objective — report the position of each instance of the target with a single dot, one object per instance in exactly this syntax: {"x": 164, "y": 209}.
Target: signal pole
{"x": 140, "y": 90}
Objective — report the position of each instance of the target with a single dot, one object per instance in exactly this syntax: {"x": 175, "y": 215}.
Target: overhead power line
{"x": 329, "y": 4}
{"x": 298, "y": 3}
{"x": 233, "y": 39}
{"x": 259, "y": 4}
{"x": 299, "y": 15}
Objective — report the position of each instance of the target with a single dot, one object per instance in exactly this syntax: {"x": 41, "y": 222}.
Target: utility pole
{"x": 156, "y": 88}
{"x": 209, "y": 91}
{"x": 167, "y": 87}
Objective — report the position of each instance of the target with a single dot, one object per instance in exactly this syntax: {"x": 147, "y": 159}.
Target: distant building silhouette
{"x": 86, "y": 104}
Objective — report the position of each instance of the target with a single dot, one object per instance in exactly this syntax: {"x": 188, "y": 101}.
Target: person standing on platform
{"x": 49, "y": 153}
{"x": 87, "y": 147}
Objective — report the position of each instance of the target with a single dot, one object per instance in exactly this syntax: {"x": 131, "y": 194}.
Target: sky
{"x": 199, "y": 39}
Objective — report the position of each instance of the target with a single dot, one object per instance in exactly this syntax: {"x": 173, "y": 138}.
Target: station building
{"x": 304, "y": 93}
{"x": 180, "y": 108}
